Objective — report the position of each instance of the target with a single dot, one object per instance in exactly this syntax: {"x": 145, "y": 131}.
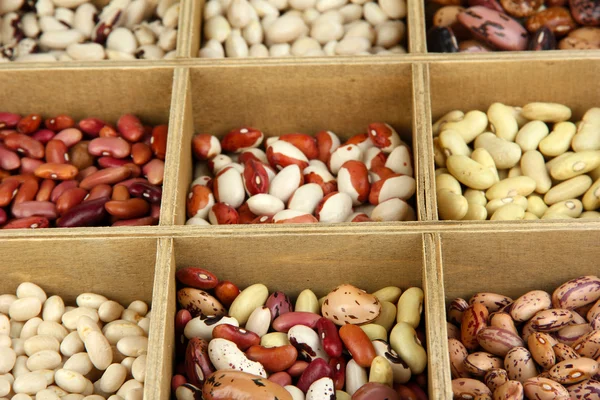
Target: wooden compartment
{"x": 320, "y": 263}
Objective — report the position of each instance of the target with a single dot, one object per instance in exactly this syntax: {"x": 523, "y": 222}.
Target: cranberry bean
{"x": 25, "y": 145}
{"x": 61, "y": 188}
{"x": 316, "y": 370}
{"x": 27, "y": 191}
{"x": 338, "y": 370}
{"x": 281, "y": 378}
{"x": 128, "y": 209}
{"x": 256, "y": 178}
{"x": 108, "y": 176}
{"x": 99, "y": 191}
{"x": 329, "y": 337}
{"x": 29, "y": 165}
{"x": 3, "y": 216}
{"x": 43, "y": 136}
{"x": 120, "y": 192}
{"x": 130, "y": 127}
{"x": 69, "y": 199}
{"x": 9, "y": 120}
{"x": 226, "y": 292}
{"x": 144, "y": 221}
{"x": 111, "y": 162}
{"x": 223, "y": 214}
{"x": 80, "y": 157}
{"x": 57, "y": 152}
{"x": 359, "y": 344}
{"x": 241, "y": 139}
{"x": 28, "y": 223}
{"x": 70, "y": 136}
{"x": 245, "y": 215}
{"x": 305, "y": 143}
{"x": 85, "y": 173}
{"x": 140, "y": 153}
{"x": 29, "y": 124}
{"x": 159, "y": 141}
{"x": 88, "y": 213}
{"x": 286, "y": 321}
{"x": 91, "y": 126}
{"x": 26, "y": 209}
{"x": 9, "y": 160}
{"x": 61, "y": 172}
{"x": 59, "y": 123}
{"x": 145, "y": 191}
{"x": 109, "y": 146}
{"x": 241, "y": 337}
{"x": 197, "y": 278}
{"x": 46, "y": 188}
{"x": 154, "y": 171}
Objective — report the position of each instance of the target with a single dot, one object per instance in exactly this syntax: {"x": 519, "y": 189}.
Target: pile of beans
{"x": 281, "y": 28}
{"x": 66, "y": 30}
{"x": 260, "y": 345}
{"x": 49, "y": 351}
{"x": 318, "y": 179}
{"x": 518, "y": 163}
{"x": 53, "y": 173}
{"x": 488, "y": 25}
{"x": 539, "y": 346}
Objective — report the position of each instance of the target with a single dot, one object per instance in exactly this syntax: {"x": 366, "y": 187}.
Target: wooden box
{"x": 344, "y": 94}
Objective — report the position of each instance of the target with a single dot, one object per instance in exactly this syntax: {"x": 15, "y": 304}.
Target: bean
{"x": 109, "y": 146}
{"x": 89, "y": 213}
{"x": 61, "y": 172}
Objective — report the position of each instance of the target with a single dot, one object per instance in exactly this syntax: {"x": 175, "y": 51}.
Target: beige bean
{"x": 5, "y": 325}
{"x": 389, "y": 293}
{"x": 483, "y": 157}
{"x": 503, "y": 121}
{"x": 590, "y": 214}
{"x": 39, "y": 343}
{"x": 469, "y": 172}
{"x": 504, "y": 153}
{"x": 536, "y": 205}
{"x": 559, "y": 140}
{"x": 139, "y": 307}
{"x": 53, "y": 310}
{"x": 588, "y": 132}
{"x": 144, "y": 323}
{"x": 250, "y": 298}
{"x": 509, "y": 212}
{"x": 20, "y": 366}
{"x": 472, "y": 125}
{"x": 410, "y": 306}
{"x": 307, "y": 301}
{"x": 381, "y": 371}
{"x": 116, "y": 330}
{"x": 451, "y": 206}
{"x": 447, "y": 181}
{"x": 128, "y": 386}
{"x": 5, "y": 341}
{"x": 138, "y": 368}
{"x": 70, "y": 381}
{"x": 533, "y": 165}
{"x": 452, "y": 143}
{"x": 520, "y": 185}
{"x": 374, "y": 331}
{"x": 45, "y": 359}
{"x": 29, "y": 289}
{"x": 475, "y": 197}
{"x": 550, "y": 163}
{"x": 30, "y": 328}
{"x": 575, "y": 164}
{"x": 5, "y": 301}
{"x": 113, "y": 378}
{"x": 438, "y": 154}
{"x": 25, "y": 309}
{"x": 591, "y": 198}
{"x": 493, "y": 205}
{"x": 72, "y": 344}
{"x": 440, "y": 171}
{"x": 274, "y": 339}
{"x": 85, "y": 325}
{"x": 530, "y": 135}
{"x": 452, "y": 116}
{"x": 30, "y": 383}
{"x": 80, "y": 363}
{"x": 571, "y": 208}
{"x": 516, "y": 171}
{"x": 8, "y": 357}
{"x": 387, "y": 316}
{"x": 90, "y": 300}
{"x": 130, "y": 315}
{"x": 568, "y": 189}
{"x": 99, "y": 350}
{"x": 110, "y": 311}
{"x": 71, "y": 317}
{"x": 54, "y": 329}
{"x": 547, "y": 112}
{"x": 133, "y": 346}
{"x": 476, "y": 212}
{"x": 468, "y": 388}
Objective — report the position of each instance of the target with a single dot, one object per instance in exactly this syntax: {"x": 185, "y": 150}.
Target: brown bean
{"x": 27, "y": 191}
{"x": 141, "y": 153}
{"x": 61, "y": 172}
{"x": 108, "y": 176}
{"x": 26, "y": 209}
{"x": 69, "y": 199}
{"x": 100, "y": 191}
{"x": 8, "y": 190}
{"x": 120, "y": 192}
{"x": 111, "y": 162}
{"x": 29, "y": 124}
{"x": 80, "y": 157}
{"x": 159, "y": 141}
{"x": 57, "y": 152}
{"x": 108, "y": 131}
{"x": 128, "y": 209}
{"x": 25, "y": 145}
{"x": 46, "y": 188}
{"x": 84, "y": 173}
{"x": 146, "y": 191}
{"x": 136, "y": 171}
{"x": 557, "y": 19}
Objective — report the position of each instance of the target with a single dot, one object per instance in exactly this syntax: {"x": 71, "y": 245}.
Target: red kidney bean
{"x": 9, "y": 120}
{"x": 46, "y": 188}
{"x": 155, "y": 211}
{"x": 297, "y": 368}
{"x": 128, "y": 209}
{"x": 70, "y": 136}
{"x": 91, "y": 126}
{"x": 128, "y": 182}
{"x": 26, "y": 209}
{"x": 84, "y": 173}
{"x": 141, "y": 153}
{"x": 25, "y": 145}
{"x": 99, "y": 191}
{"x": 28, "y": 223}
{"x": 358, "y": 344}
{"x": 256, "y": 179}
{"x": 29, "y": 165}
{"x": 120, "y": 192}
{"x": 3, "y": 216}
{"x": 144, "y": 221}
{"x": 197, "y": 362}
{"x": 329, "y": 337}
{"x": 226, "y": 292}
{"x": 281, "y": 378}
{"x": 136, "y": 171}
{"x": 43, "y": 136}
{"x": 243, "y": 338}
{"x": 374, "y": 390}
{"x": 8, "y": 190}
{"x": 88, "y": 213}
{"x": 154, "y": 171}
{"x": 338, "y": 371}
{"x": 9, "y": 160}
{"x": 69, "y": 199}
{"x": 109, "y": 176}
{"x": 181, "y": 320}
{"x": 27, "y": 191}
{"x": 61, "y": 172}
{"x": 197, "y": 278}
{"x": 158, "y": 142}
{"x": 130, "y": 127}
{"x": 245, "y": 215}
{"x": 5, "y": 132}
{"x": 29, "y": 124}
{"x": 316, "y": 370}
{"x": 108, "y": 131}
{"x": 177, "y": 381}
{"x": 57, "y": 152}
{"x": 274, "y": 359}
{"x": 284, "y": 322}
{"x": 147, "y": 192}
{"x": 111, "y": 162}
{"x": 59, "y": 123}
{"x": 109, "y": 146}
{"x": 61, "y": 188}
{"x": 419, "y": 393}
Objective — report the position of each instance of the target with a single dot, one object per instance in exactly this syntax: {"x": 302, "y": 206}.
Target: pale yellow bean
{"x": 387, "y": 316}
{"x": 452, "y": 143}
{"x": 410, "y": 306}
{"x": 530, "y": 136}
{"x": 374, "y": 331}
{"x": 594, "y": 174}
{"x": 389, "y": 293}
{"x": 475, "y": 197}
{"x": 452, "y": 116}
{"x": 470, "y": 173}
{"x": 530, "y": 216}
{"x": 493, "y": 205}
{"x": 509, "y": 212}
{"x": 547, "y": 112}
{"x": 571, "y": 208}
{"x": 515, "y": 171}
{"x": 575, "y": 164}
{"x": 588, "y": 132}
{"x": 451, "y": 206}
{"x": 533, "y": 165}
{"x": 518, "y": 114}
{"x": 536, "y": 205}
{"x": 447, "y": 181}
{"x": 405, "y": 342}
{"x": 381, "y": 371}
{"x": 590, "y": 214}
{"x": 502, "y": 121}
{"x": 307, "y": 301}
{"x": 509, "y": 187}
{"x": 559, "y": 140}
{"x": 440, "y": 171}
{"x": 505, "y": 154}
{"x": 438, "y": 154}
{"x": 483, "y": 157}
{"x": 503, "y": 173}
{"x": 476, "y": 212}
{"x": 591, "y": 198}
{"x": 472, "y": 125}
{"x": 568, "y": 189}
{"x": 556, "y": 159}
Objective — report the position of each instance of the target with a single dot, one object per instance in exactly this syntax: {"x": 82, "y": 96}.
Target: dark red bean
{"x": 88, "y": 213}
{"x": 146, "y": 191}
